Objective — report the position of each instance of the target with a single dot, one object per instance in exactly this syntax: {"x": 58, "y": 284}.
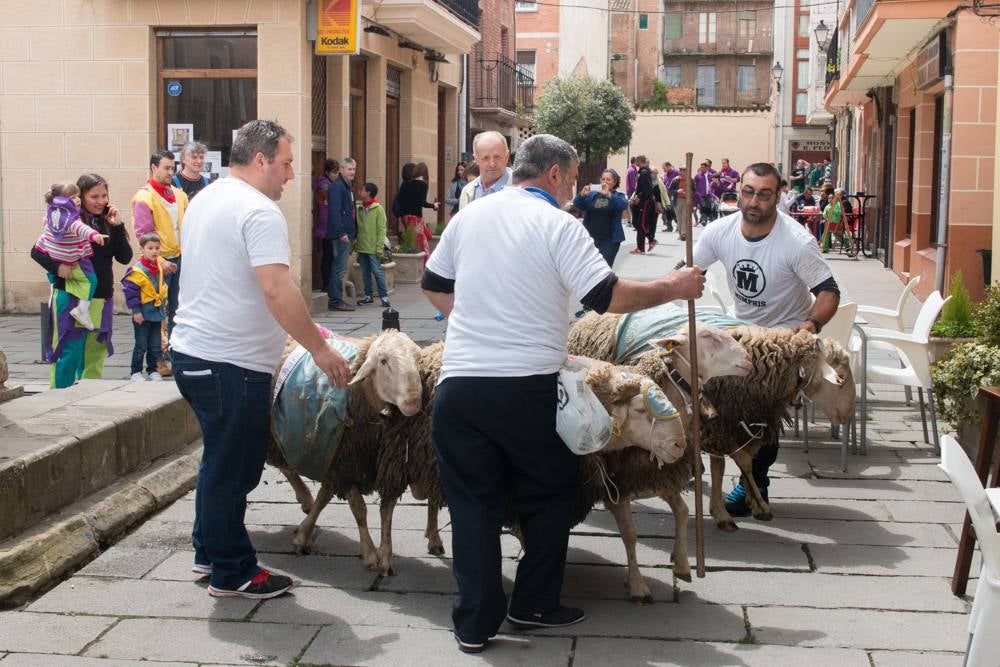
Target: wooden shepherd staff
{"x": 699, "y": 522}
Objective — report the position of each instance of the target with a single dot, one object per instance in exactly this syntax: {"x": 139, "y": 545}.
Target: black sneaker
{"x": 736, "y": 501}
{"x": 365, "y": 301}
{"x": 559, "y": 617}
{"x": 263, "y": 585}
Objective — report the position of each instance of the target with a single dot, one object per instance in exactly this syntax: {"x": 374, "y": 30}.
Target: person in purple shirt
{"x": 729, "y": 175}
{"x": 702, "y": 187}
{"x": 711, "y": 171}
{"x": 631, "y": 176}
{"x": 669, "y": 215}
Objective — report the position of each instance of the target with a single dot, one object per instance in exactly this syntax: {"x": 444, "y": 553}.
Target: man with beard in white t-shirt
{"x": 777, "y": 276}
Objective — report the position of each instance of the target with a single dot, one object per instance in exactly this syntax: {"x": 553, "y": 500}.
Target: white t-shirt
{"x": 517, "y": 262}
{"x": 770, "y": 279}
{"x": 230, "y": 228}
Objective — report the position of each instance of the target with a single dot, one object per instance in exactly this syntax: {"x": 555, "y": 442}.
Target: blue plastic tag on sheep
{"x": 636, "y": 330}
{"x": 309, "y": 416}
{"x": 581, "y": 421}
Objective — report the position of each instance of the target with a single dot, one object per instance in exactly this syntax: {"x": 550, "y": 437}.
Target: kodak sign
{"x": 338, "y": 27}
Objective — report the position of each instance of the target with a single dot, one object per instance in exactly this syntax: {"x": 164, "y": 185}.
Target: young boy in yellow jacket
{"x": 371, "y": 239}
{"x": 146, "y": 296}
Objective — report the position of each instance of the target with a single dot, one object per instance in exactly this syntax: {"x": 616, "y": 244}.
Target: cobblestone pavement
{"x": 853, "y": 570}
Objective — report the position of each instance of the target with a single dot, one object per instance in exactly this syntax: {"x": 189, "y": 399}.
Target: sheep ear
{"x": 367, "y": 368}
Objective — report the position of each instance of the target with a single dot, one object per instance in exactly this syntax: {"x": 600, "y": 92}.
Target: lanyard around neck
{"x": 541, "y": 194}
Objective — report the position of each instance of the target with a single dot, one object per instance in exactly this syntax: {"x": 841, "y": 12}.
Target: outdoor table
{"x": 989, "y": 401}
{"x": 856, "y": 221}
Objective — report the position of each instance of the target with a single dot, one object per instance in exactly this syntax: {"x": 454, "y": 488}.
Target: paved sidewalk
{"x": 852, "y": 571}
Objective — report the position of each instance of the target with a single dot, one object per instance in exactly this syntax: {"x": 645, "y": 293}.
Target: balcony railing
{"x": 467, "y": 10}
{"x": 728, "y": 45}
{"x": 502, "y": 84}
{"x": 729, "y": 98}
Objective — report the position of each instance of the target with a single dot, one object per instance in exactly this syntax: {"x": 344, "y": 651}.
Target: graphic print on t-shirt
{"x": 749, "y": 281}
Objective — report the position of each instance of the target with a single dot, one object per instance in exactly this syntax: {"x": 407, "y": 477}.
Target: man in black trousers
{"x": 506, "y": 272}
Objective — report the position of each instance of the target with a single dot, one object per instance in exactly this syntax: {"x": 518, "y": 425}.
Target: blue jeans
{"x": 370, "y": 265}
{"x": 608, "y": 250}
{"x": 147, "y": 344}
{"x": 173, "y": 282}
{"x": 234, "y": 410}
{"x": 341, "y": 251}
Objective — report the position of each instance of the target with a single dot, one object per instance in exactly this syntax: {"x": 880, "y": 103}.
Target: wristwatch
{"x": 815, "y": 323}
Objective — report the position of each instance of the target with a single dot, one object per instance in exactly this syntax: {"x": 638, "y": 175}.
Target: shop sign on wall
{"x": 338, "y": 27}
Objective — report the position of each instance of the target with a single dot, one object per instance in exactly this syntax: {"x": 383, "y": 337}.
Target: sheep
{"x": 406, "y": 457}
{"x": 385, "y": 374}
{"x": 619, "y": 474}
{"x": 750, "y": 408}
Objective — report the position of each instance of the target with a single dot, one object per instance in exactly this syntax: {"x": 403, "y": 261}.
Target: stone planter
{"x": 938, "y": 348}
{"x": 409, "y": 267}
{"x": 355, "y": 277}
{"x": 434, "y": 241}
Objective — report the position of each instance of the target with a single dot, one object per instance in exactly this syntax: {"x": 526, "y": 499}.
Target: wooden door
{"x": 391, "y": 160}
{"x": 443, "y": 173}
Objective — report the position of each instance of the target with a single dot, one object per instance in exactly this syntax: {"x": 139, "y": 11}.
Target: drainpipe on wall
{"x": 463, "y": 108}
{"x": 945, "y": 184}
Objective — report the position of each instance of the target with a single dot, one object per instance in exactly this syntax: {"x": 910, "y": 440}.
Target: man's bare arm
{"x": 632, "y": 295}
{"x": 441, "y": 300}
{"x": 286, "y": 304}
{"x": 822, "y": 311}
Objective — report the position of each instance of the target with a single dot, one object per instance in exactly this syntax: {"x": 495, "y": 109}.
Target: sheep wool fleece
{"x": 636, "y": 330}
{"x": 309, "y": 414}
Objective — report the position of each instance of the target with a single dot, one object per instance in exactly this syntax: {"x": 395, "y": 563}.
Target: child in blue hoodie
{"x": 146, "y": 296}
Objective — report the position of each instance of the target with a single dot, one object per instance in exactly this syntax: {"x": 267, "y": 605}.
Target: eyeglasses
{"x": 763, "y": 196}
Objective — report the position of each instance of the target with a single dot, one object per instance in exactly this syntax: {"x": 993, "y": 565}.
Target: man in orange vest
{"x": 159, "y": 207}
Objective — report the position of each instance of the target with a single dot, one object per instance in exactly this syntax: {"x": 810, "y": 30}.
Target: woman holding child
{"x": 75, "y": 351}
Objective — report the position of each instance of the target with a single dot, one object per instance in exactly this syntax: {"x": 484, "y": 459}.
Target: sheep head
{"x": 390, "y": 373}
{"x": 831, "y": 384}
{"x": 718, "y": 353}
{"x": 636, "y": 406}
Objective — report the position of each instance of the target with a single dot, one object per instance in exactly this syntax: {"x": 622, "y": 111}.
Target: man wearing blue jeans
{"x": 237, "y": 304}
{"x": 341, "y": 229}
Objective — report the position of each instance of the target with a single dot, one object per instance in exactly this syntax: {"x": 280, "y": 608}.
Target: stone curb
{"x": 48, "y": 552}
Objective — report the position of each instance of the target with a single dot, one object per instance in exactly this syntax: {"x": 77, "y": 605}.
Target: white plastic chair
{"x": 914, "y": 356}
{"x": 984, "y": 640}
{"x": 886, "y": 318}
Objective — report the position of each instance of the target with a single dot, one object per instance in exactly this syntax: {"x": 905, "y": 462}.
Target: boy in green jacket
{"x": 371, "y": 240}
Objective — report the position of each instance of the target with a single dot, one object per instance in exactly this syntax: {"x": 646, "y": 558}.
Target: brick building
{"x": 908, "y": 77}
{"x": 636, "y": 29}
{"x": 716, "y": 55}
{"x": 501, "y": 93}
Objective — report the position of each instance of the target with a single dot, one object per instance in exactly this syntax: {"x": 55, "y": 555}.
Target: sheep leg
{"x": 304, "y": 533}
{"x": 716, "y": 504}
{"x": 638, "y": 590}
{"x": 302, "y": 493}
{"x": 369, "y": 556}
{"x": 758, "y": 506}
{"x": 433, "y": 534}
{"x": 679, "y": 556}
{"x": 385, "y": 547}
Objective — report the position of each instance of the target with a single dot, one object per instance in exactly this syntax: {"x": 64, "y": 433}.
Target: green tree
{"x": 591, "y": 114}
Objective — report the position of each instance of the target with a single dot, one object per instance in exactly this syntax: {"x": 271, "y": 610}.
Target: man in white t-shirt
{"x": 237, "y": 303}
{"x": 777, "y": 276}
{"x": 506, "y": 271}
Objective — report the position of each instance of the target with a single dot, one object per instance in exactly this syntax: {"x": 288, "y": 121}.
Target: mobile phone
{"x": 595, "y": 187}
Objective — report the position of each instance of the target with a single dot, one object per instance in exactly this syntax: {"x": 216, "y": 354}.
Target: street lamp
{"x": 822, "y": 33}
{"x": 776, "y": 73}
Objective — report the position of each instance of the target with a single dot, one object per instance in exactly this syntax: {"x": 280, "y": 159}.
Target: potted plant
{"x": 956, "y": 324}
{"x": 436, "y": 235}
{"x": 409, "y": 257}
{"x": 971, "y": 365}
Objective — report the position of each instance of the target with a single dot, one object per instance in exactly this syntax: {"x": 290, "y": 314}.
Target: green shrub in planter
{"x": 957, "y": 380}
{"x": 956, "y": 317}
{"x": 987, "y": 316}
{"x": 408, "y": 241}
